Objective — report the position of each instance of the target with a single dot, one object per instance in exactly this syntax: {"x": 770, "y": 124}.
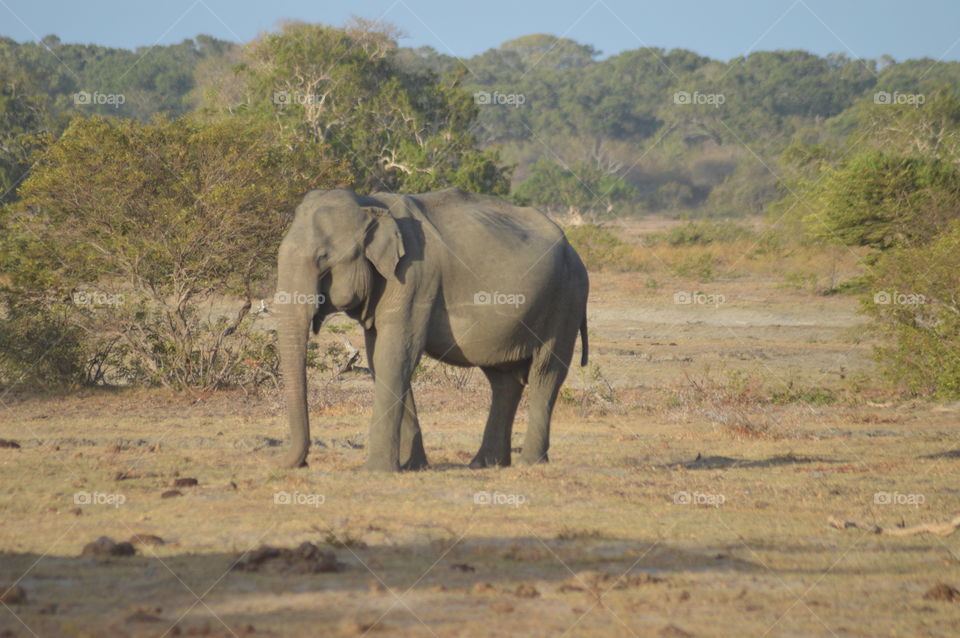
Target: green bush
{"x": 701, "y": 268}
{"x": 915, "y": 302}
{"x": 601, "y": 249}
{"x": 702, "y": 233}
{"x": 900, "y": 197}
{"x": 879, "y": 200}
{"x": 128, "y": 234}
{"x": 39, "y": 346}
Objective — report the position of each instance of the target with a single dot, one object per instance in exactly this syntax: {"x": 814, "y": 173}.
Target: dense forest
{"x": 164, "y": 176}
{"x": 646, "y": 130}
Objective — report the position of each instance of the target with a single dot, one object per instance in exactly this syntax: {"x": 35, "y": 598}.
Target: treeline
{"x": 137, "y": 187}
{"x": 651, "y": 130}
{"x": 646, "y": 130}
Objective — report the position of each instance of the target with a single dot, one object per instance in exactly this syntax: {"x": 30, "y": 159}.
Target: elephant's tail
{"x": 583, "y": 340}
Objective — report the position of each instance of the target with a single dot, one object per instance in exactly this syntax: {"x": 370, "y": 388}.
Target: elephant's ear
{"x": 384, "y": 246}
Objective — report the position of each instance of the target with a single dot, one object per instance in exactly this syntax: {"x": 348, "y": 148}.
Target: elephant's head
{"x": 339, "y": 247}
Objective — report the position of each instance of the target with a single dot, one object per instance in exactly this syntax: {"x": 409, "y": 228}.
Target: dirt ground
{"x": 694, "y": 467}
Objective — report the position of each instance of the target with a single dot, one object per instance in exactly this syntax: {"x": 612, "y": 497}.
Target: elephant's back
{"x": 485, "y": 220}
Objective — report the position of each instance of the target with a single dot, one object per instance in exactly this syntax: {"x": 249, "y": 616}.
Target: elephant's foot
{"x": 484, "y": 459}
{"x": 417, "y": 461}
{"x": 292, "y": 460}
{"x": 533, "y": 459}
{"x": 412, "y": 455}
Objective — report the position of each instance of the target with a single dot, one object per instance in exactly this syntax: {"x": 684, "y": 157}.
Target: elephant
{"x": 470, "y": 280}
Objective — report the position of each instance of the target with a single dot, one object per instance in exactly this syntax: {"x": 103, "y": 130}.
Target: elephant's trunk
{"x": 295, "y": 305}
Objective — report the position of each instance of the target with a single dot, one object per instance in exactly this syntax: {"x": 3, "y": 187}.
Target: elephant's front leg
{"x": 394, "y": 358}
{"x": 412, "y": 454}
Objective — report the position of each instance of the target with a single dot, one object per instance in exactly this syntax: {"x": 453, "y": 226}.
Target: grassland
{"x": 694, "y": 466}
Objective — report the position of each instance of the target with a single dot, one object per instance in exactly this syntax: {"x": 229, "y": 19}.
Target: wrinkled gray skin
{"x": 408, "y": 267}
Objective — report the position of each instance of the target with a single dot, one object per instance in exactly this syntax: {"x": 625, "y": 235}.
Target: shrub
{"x": 601, "y": 249}
{"x": 39, "y": 345}
{"x": 700, "y": 267}
{"x": 915, "y": 302}
{"x": 130, "y": 232}
{"x": 882, "y": 201}
{"x": 702, "y": 233}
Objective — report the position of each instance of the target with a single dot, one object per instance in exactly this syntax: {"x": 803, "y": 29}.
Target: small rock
{"x": 76, "y": 511}
{"x": 146, "y": 539}
{"x": 483, "y": 588}
{"x": 305, "y": 559}
{"x": 171, "y": 494}
{"x": 12, "y": 594}
{"x": 606, "y": 581}
{"x": 672, "y": 631}
{"x": 526, "y": 590}
{"x": 106, "y": 546}
{"x": 185, "y": 482}
{"x": 463, "y": 567}
{"x": 942, "y": 591}
{"x": 143, "y": 616}
{"x": 356, "y": 626}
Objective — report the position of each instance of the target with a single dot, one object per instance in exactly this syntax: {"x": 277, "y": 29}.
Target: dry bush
{"x": 731, "y": 402}
{"x": 440, "y": 374}
{"x": 595, "y": 396}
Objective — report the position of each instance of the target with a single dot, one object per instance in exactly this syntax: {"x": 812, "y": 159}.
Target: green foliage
{"x": 701, "y": 233}
{"x": 915, "y": 303}
{"x": 344, "y": 88}
{"x": 899, "y": 196}
{"x": 40, "y": 346}
{"x": 144, "y": 227}
{"x": 702, "y": 267}
{"x": 582, "y": 189}
{"x": 809, "y": 395}
{"x": 880, "y": 200}
{"x": 601, "y": 249}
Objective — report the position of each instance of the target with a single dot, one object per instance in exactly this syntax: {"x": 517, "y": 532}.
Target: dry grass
{"x": 693, "y": 471}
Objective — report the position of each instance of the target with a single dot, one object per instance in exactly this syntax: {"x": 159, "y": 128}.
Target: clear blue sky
{"x": 860, "y": 28}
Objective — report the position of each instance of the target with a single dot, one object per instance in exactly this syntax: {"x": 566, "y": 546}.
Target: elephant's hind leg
{"x": 546, "y": 377}
{"x": 506, "y": 390}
